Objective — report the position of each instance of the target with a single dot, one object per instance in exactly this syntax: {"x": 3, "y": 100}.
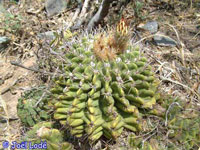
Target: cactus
{"x": 182, "y": 128}
{"x": 29, "y": 111}
{"x": 103, "y": 88}
{"x": 44, "y": 132}
{"x": 184, "y": 125}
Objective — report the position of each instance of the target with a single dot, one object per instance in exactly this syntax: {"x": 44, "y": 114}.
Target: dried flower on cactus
{"x": 106, "y": 47}
{"x": 102, "y": 49}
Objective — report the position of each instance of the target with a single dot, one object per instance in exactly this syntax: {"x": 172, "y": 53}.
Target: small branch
{"x": 41, "y": 98}
{"x": 31, "y": 69}
{"x": 78, "y": 10}
{"x": 155, "y": 131}
{"x": 19, "y": 65}
{"x": 84, "y": 9}
{"x": 167, "y": 112}
{"x": 178, "y": 83}
{"x": 82, "y": 16}
{"x": 101, "y": 14}
{"x": 181, "y": 50}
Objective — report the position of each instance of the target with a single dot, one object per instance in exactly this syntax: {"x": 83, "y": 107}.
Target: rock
{"x": 162, "y": 40}
{"x": 54, "y": 7}
{"x": 49, "y": 35}
{"x": 16, "y": 1}
{"x": 1, "y": 80}
{"x": 198, "y": 90}
{"x": 4, "y": 41}
{"x": 151, "y": 26}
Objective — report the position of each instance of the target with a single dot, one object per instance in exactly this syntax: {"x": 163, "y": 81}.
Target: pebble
{"x": 151, "y": 26}
{"x": 54, "y": 7}
{"x": 49, "y": 35}
{"x": 4, "y": 41}
{"x": 162, "y": 40}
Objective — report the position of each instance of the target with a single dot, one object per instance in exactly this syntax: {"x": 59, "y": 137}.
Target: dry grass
{"x": 178, "y": 68}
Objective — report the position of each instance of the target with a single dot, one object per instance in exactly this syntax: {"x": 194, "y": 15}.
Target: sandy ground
{"x": 14, "y": 80}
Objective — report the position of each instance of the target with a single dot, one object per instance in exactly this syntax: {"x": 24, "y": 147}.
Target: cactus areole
{"x": 101, "y": 96}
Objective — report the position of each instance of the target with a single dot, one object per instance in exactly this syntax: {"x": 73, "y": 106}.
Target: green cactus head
{"x": 102, "y": 96}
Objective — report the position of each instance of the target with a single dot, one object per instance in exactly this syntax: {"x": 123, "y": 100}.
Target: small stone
{"x": 198, "y": 90}
{"x": 49, "y": 35}
{"x": 4, "y": 41}
{"x": 162, "y": 40}
{"x": 1, "y": 80}
{"x": 151, "y": 26}
{"x": 16, "y": 1}
{"x": 54, "y": 7}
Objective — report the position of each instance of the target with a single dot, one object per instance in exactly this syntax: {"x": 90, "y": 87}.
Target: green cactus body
{"x": 29, "y": 111}
{"x": 103, "y": 97}
{"x": 45, "y": 132}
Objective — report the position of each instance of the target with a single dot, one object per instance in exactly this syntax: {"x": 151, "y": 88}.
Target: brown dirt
{"x": 184, "y": 22}
{"x": 15, "y": 81}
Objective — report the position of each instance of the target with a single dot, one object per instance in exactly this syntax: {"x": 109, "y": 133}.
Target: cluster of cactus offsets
{"x": 136, "y": 143}
{"x": 103, "y": 97}
{"x": 184, "y": 125}
{"x": 44, "y": 132}
{"x": 186, "y": 131}
{"x": 31, "y": 109}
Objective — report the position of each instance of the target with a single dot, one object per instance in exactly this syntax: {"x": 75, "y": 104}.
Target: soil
{"x": 15, "y": 81}
{"x": 25, "y": 44}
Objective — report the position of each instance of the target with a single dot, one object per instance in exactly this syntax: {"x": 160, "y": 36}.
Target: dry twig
{"x": 167, "y": 112}
{"x": 181, "y": 50}
{"x": 178, "y": 83}
{"x": 32, "y": 69}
